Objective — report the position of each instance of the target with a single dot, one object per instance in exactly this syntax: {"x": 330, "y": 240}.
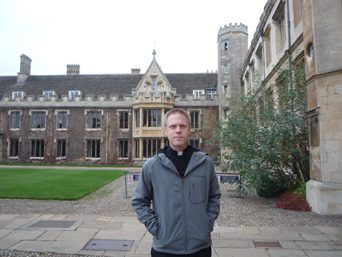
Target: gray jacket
{"x": 183, "y": 210}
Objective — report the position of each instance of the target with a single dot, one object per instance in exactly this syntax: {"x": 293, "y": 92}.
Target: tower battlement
{"x": 233, "y": 28}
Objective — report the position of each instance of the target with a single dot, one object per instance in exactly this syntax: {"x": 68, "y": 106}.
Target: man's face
{"x": 177, "y": 131}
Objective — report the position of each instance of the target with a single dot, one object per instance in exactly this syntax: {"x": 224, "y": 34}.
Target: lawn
{"x": 56, "y": 184}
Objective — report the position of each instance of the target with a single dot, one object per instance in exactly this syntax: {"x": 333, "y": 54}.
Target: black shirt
{"x": 180, "y": 159}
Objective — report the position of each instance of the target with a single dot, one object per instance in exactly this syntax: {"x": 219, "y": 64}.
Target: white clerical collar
{"x": 179, "y": 153}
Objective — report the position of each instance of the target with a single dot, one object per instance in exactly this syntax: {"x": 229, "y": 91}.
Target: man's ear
{"x": 165, "y": 131}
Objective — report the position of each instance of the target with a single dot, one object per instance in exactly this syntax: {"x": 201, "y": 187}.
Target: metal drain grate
{"x": 108, "y": 245}
{"x": 53, "y": 224}
{"x": 267, "y": 244}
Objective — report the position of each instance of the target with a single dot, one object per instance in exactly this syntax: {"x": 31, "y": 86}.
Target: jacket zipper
{"x": 185, "y": 222}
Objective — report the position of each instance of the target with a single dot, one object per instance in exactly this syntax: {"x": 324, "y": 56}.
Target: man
{"x": 177, "y": 197}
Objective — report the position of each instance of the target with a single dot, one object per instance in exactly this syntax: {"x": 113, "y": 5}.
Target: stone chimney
{"x": 73, "y": 69}
{"x": 135, "y": 71}
{"x": 25, "y": 69}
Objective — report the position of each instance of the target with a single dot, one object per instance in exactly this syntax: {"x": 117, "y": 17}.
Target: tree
{"x": 266, "y": 138}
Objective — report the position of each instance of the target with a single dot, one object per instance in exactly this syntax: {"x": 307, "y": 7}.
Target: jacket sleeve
{"x": 142, "y": 200}
{"x": 213, "y": 208}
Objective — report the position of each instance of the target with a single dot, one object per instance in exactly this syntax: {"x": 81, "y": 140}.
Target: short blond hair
{"x": 176, "y": 110}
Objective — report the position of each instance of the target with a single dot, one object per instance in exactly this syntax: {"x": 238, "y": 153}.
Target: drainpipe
{"x": 289, "y": 40}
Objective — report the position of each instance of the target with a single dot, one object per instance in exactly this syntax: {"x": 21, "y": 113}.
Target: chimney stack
{"x": 25, "y": 69}
{"x": 73, "y": 69}
{"x": 135, "y": 71}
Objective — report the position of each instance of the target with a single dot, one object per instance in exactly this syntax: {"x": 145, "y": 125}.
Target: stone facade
{"x": 322, "y": 32}
{"x": 306, "y": 32}
{"x": 103, "y": 119}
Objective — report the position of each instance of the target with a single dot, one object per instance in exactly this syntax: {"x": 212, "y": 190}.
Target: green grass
{"x": 56, "y": 184}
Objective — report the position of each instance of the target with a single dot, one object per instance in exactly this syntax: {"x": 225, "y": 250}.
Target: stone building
{"x": 112, "y": 119}
{"x": 104, "y": 119}
{"x": 309, "y": 33}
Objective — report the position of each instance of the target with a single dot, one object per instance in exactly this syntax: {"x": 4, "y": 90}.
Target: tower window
{"x": 226, "y": 45}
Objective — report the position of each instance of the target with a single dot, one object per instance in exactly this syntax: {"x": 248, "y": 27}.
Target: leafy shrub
{"x": 299, "y": 188}
{"x": 271, "y": 185}
{"x": 292, "y": 201}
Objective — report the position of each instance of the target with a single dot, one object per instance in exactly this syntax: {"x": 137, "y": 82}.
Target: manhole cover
{"x": 108, "y": 245}
{"x": 53, "y": 224}
{"x": 267, "y": 244}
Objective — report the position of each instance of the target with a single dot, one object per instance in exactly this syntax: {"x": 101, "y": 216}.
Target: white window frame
{"x": 48, "y": 94}
{"x": 74, "y": 93}
{"x": 197, "y": 93}
{"x": 17, "y": 94}
{"x": 211, "y": 93}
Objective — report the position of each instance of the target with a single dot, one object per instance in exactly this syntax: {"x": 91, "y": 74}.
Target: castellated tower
{"x": 232, "y": 41}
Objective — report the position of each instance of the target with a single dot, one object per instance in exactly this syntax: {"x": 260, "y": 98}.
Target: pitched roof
{"x": 109, "y": 84}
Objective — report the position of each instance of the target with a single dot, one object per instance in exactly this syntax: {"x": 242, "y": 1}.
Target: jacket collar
{"x": 197, "y": 159}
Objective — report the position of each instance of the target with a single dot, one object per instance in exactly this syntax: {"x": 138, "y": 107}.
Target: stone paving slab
{"x": 336, "y": 245}
{"x": 324, "y": 253}
{"x": 6, "y": 244}
{"x": 233, "y": 244}
{"x": 307, "y": 245}
{"x": 286, "y": 253}
{"x": 4, "y": 232}
{"x": 227, "y": 241}
{"x": 101, "y": 224}
{"x": 23, "y": 235}
{"x": 238, "y": 252}
{"x": 34, "y": 246}
{"x": 67, "y": 247}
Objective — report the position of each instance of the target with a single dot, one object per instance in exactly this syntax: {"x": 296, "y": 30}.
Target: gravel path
{"x": 111, "y": 200}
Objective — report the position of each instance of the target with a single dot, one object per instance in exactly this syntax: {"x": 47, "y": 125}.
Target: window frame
{"x": 10, "y": 148}
{"x": 197, "y": 93}
{"x": 195, "y": 142}
{"x": 198, "y": 119}
{"x": 97, "y": 127}
{"x": 37, "y": 154}
{"x": 72, "y": 94}
{"x": 123, "y": 149}
{"x": 10, "y": 112}
{"x": 152, "y": 118}
{"x": 48, "y": 94}
{"x": 57, "y": 113}
{"x": 123, "y": 114}
{"x": 32, "y": 114}
{"x": 96, "y": 144}
{"x": 150, "y": 146}
{"x": 61, "y": 149}
{"x": 17, "y": 94}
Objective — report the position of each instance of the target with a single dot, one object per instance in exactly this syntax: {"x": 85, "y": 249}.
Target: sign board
{"x": 228, "y": 178}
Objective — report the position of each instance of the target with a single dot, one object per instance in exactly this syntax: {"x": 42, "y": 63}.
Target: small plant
{"x": 293, "y": 201}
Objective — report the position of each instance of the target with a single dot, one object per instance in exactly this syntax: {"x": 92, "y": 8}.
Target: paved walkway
{"x": 72, "y": 234}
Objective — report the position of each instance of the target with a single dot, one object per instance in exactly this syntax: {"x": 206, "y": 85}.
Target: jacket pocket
{"x": 198, "y": 190}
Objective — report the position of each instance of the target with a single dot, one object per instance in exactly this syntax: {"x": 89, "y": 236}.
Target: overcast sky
{"x": 113, "y": 36}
